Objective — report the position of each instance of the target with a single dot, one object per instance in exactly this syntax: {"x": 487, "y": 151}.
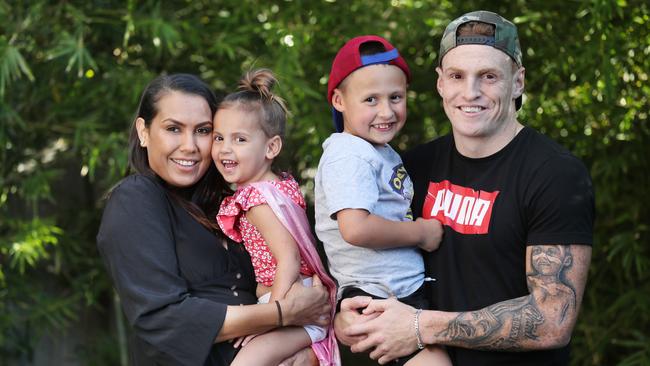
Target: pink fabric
{"x": 294, "y": 219}
{"x": 233, "y": 222}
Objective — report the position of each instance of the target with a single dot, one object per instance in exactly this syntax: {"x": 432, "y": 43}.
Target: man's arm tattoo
{"x": 509, "y": 324}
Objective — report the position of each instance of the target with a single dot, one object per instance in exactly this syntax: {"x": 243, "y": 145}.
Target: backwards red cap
{"x": 349, "y": 59}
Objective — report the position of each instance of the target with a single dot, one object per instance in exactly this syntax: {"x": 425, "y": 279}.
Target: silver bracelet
{"x": 416, "y": 325}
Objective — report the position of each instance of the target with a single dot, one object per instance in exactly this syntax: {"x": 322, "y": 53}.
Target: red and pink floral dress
{"x": 233, "y": 222}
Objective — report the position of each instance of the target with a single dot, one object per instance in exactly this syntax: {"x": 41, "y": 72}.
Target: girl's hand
{"x": 304, "y": 357}
{"x": 306, "y": 305}
{"x": 242, "y": 341}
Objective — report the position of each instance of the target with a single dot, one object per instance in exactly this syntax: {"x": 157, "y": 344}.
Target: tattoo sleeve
{"x": 518, "y": 324}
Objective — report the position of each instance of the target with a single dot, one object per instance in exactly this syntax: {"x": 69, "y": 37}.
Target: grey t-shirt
{"x": 354, "y": 174}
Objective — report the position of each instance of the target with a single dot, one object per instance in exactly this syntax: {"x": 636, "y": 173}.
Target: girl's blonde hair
{"x": 254, "y": 95}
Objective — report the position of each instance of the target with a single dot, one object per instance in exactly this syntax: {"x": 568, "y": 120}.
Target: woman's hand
{"x": 306, "y": 305}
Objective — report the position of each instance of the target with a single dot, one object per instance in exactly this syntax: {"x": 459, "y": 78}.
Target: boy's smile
{"x": 373, "y": 102}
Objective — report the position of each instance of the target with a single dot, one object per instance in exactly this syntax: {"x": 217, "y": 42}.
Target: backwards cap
{"x": 349, "y": 59}
{"x": 505, "y": 37}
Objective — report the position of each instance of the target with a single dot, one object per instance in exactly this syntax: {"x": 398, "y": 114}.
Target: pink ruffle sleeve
{"x": 233, "y": 207}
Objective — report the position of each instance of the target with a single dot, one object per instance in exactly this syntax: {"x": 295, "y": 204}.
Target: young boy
{"x": 363, "y": 193}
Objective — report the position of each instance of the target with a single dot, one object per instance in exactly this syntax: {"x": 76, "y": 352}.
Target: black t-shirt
{"x": 174, "y": 277}
{"x": 531, "y": 192}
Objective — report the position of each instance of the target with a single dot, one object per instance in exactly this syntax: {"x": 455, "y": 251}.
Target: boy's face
{"x": 373, "y": 102}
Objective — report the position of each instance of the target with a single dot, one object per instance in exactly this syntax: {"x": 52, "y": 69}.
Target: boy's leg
{"x": 272, "y": 347}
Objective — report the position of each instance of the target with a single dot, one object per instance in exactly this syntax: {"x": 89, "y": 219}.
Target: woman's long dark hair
{"x": 207, "y": 193}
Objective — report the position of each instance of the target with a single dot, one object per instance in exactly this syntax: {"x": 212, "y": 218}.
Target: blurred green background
{"x": 71, "y": 73}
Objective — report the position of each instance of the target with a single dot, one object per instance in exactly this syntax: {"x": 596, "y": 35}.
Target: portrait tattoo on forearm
{"x": 510, "y": 324}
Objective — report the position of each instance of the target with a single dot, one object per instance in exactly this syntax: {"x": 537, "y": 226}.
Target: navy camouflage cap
{"x": 505, "y": 37}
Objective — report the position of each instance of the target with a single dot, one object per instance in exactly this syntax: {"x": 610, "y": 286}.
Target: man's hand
{"x": 431, "y": 233}
{"x": 389, "y": 335}
{"x": 351, "y": 314}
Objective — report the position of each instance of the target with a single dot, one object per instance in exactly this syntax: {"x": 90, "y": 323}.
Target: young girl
{"x": 267, "y": 214}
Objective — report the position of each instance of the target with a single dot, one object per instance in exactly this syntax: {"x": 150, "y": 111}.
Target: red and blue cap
{"x": 349, "y": 59}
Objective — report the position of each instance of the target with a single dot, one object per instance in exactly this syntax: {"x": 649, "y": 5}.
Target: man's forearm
{"x": 541, "y": 320}
{"x": 511, "y": 325}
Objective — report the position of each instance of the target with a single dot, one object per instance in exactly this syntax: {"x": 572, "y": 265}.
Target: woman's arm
{"x": 282, "y": 245}
{"x": 301, "y": 305}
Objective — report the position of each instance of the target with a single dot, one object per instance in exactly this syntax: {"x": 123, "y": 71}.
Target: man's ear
{"x": 273, "y": 147}
{"x": 518, "y": 82}
{"x": 337, "y": 100}
{"x": 439, "y": 80}
{"x": 143, "y": 131}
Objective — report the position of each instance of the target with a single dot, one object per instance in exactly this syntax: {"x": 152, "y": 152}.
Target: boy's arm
{"x": 361, "y": 228}
{"x": 282, "y": 245}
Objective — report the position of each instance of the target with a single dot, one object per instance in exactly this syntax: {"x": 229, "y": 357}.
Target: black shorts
{"x": 416, "y": 300}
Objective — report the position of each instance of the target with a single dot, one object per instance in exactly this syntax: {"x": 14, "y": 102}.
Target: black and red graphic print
{"x": 463, "y": 209}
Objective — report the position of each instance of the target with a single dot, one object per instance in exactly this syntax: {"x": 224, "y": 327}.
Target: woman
{"x": 181, "y": 282}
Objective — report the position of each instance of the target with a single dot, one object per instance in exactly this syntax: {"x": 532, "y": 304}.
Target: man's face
{"x": 478, "y": 85}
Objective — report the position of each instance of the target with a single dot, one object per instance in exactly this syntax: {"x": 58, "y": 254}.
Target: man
{"x": 517, "y": 211}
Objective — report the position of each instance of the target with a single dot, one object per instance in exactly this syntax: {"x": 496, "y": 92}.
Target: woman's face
{"x": 179, "y": 138}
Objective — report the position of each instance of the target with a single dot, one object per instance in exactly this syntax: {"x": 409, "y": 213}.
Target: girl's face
{"x": 179, "y": 138}
{"x": 241, "y": 150}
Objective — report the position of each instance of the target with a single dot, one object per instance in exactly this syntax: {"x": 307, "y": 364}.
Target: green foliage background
{"x": 71, "y": 73}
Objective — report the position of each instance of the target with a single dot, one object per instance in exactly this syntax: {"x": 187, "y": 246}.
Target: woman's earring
{"x": 142, "y": 143}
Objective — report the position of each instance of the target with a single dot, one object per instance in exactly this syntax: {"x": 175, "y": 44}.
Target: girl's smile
{"x": 241, "y": 150}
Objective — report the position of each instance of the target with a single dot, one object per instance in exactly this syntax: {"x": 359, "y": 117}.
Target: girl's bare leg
{"x": 271, "y": 348}
{"x": 430, "y": 356}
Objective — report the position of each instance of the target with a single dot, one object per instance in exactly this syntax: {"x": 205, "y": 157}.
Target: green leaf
{"x": 12, "y": 65}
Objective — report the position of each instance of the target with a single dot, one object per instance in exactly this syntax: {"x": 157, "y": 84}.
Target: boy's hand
{"x": 431, "y": 233}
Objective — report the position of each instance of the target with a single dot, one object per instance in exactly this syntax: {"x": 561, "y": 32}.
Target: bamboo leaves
{"x": 72, "y": 47}
{"x": 12, "y": 65}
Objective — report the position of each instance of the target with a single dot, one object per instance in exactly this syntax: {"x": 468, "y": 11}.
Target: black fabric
{"x": 174, "y": 277}
{"x": 544, "y": 196}
{"x": 417, "y": 300}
